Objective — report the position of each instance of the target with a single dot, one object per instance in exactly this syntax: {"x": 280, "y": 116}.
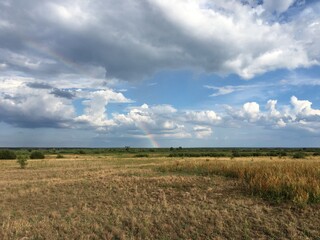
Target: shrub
{"x": 37, "y": 155}
{"x": 194, "y": 155}
{"x": 60, "y": 155}
{"x": 235, "y": 154}
{"x": 299, "y": 155}
{"x": 7, "y": 154}
{"x": 127, "y": 148}
{"x": 282, "y": 154}
{"x": 22, "y": 160}
{"x": 82, "y": 152}
{"x": 141, "y": 155}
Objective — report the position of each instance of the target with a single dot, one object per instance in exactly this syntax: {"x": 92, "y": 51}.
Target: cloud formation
{"x": 298, "y": 115}
{"x": 34, "y": 107}
{"x": 32, "y": 104}
{"x": 131, "y": 40}
{"x": 63, "y": 63}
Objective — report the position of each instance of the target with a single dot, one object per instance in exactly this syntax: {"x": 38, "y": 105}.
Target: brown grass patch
{"x": 108, "y": 198}
{"x": 278, "y": 180}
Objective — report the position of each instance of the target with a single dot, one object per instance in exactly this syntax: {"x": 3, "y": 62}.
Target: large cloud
{"x": 57, "y": 54}
{"x": 168, "y": 122}
{"x": 298, "y": 115}
{"x": 302, "y": 109}
{"x": 95, "y": 106}
{"x": 25, "y": 102}
{"x": 32, "y": 105}
{"x": 132, "y": 39}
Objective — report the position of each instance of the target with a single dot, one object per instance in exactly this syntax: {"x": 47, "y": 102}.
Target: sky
{"x": 160, "y": 73}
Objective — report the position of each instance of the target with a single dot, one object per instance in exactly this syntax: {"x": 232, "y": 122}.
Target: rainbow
{"x": 149, "y": 136}
{"x": 79, "y": 69}
{"x": 58, "y": 57}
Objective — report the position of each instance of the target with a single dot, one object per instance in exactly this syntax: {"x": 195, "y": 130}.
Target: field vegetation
{"x": 7, "y": 154}
{"x": 294, "y": 181}
{"x": 147, "y": 194}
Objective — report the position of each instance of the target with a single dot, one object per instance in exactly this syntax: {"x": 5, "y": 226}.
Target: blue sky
{"x": 160, "y": 73}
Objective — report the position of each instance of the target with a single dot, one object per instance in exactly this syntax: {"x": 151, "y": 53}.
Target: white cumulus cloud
{"x": 202, "y": 131}
{"x": 95, "y": 106}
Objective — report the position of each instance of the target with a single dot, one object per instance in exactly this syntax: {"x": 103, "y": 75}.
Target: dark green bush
{"x": 22, "y": 161}
{"x": 257, "y": 154}
{"x": 7, "y": 154}
{"x": 141, "y": 155}
{"x": 192, "y": 154}
{"x": 60, "y": 155}
{"x": 282, "y": 154}
{"x": 299, "y": 155}
{"x": 236, "y": 154}
{"x": 272, "y": 154}
{"x": 37, "y": 155}
{"x": 82, "y": 152}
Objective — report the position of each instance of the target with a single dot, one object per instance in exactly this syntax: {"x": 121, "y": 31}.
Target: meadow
{"x": 162, "y": 194}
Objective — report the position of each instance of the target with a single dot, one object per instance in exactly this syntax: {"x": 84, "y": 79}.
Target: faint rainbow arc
{"x": 56, "y": 56}
{"x": 74, "y": 66}
{"x": 149, "y": 136}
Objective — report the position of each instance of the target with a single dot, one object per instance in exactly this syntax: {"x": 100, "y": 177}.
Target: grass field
{"x": 127, "y": 196}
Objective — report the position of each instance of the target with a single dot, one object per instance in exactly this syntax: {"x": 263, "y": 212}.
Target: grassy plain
{"x": 105, "y": 196}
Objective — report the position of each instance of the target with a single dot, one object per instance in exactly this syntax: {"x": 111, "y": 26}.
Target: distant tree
{"x": 235, "y": 154}
{"x": 7, "y": 154}
{"x": 22, "y": 160}
{"x": 282, "y": 154}
{"x": 37, "y": 155}
{"x": 299, "y": 155}
{"x": 82, "y": 151}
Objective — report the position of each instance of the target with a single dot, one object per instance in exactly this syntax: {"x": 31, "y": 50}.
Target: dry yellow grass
{"x": 278, "y": 180}
{"x": 86, "y": 197}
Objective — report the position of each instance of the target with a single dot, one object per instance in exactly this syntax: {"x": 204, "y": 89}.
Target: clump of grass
{"x": 297, "y": 182}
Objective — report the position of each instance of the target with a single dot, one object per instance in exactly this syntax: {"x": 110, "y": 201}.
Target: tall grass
{"x": 293, "y": 181}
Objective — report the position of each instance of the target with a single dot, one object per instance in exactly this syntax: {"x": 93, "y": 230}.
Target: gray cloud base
{"x": 134, "y": 39}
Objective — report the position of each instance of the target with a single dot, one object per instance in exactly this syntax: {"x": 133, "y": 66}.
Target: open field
{"x": 132, "y": 196}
